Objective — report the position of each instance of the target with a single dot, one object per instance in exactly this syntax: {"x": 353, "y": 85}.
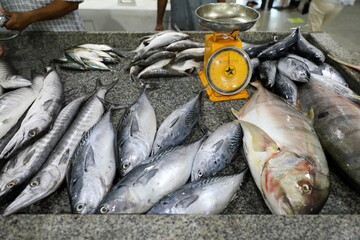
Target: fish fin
{"x": 134, "y": 127}
{"x": 186, "y": 202}
{"x": 28, "y": 156}
{"x": 145, "y": 177}
{"x": 217, "y": 146}
{"x": 311, "y": 114}
{"x": 261, "y": 141}
{"x": 47, "y": 104}
{"x": 174, "y": 122}
{"x": 65, "y": 157}
{"x": 89, "y": 159}
{"x": 237, "y": 113}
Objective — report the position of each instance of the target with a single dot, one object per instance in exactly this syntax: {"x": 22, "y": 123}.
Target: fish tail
{"x": 237, "y": 113}
{"x": 109, "y": 106}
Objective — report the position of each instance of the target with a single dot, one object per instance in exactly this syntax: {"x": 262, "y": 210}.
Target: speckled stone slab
{"x": 246, "y": 217}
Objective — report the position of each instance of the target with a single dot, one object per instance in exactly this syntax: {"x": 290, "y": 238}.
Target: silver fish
{"x": 92, "y": 167}
{"x": 78, "y": 54}
{"x": 9, "y": 79}
{"x": 162, "y": 73}
{"x": 74, "y": 66}
{"x": 217, "y": 151}
{"x": 159, "y": 64}
{"x": 196, "y": 54}
{"x": 178, "y": 125}
{"x": 286, "y": 88}
{"x": 101, "y": 47}
{"x": 186, "y": 66}
{"x": 52, "y": 173}
{"x": 204, "y": 196}
{"x": 95, "y": 65}
{"x": 294, "y": 69}
{"x": 40, "y": 116}
{"x": 25, "y": 164}
{"x": 184, "y": 44}
{"x": 146, "y": 184}
{"x": 13, "y": 104}
{"x": 136, "y": 133}
{"x": 332, "y": 74}
{"x": 284, "y": 154}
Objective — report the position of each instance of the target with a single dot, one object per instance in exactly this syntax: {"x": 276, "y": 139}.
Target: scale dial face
{"x": 228, "y": 70}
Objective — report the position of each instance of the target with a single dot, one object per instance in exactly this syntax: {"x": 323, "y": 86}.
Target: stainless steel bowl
{"x": 226, "y": 17}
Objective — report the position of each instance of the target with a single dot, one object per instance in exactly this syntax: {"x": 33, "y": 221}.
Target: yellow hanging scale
{"x": 227, "y": 68}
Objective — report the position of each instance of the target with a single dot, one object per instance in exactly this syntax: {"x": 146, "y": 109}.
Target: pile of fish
{"x": 166, "y": 54}
{"x": 90, "y": 56}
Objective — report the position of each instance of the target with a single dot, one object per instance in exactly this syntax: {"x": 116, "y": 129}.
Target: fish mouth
{"x": 286, "y": 207}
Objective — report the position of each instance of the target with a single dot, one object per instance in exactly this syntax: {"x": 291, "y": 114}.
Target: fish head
{"x": 301, "y": 74}
{"x": 8, "y": 183}
{"x": 201, "y": 166}
{"x": 292, "y": 184}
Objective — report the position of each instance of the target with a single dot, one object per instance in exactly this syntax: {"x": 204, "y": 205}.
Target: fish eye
{"x": 126, "y": 166}
{"x": 79, "y": 207}
{"x": 306, "y": 188}
{"x": 32, "y": 132}
{"x": 35, "y": 183}
{"x": 200, "y": 173}
{"x": 104, "y": 210}
{"x": 10, "y": 185}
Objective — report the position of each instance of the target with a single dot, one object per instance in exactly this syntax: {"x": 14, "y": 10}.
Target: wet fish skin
{"x": 286, "y": 88}
{"x": 253, "y": 50}
{"x": 267, "y": 73}
{"x": 203, "y": 196}
{"x": 92, "y": 167}
{"x": 9, "y": 79}
{"x": 163, "y": 73}
{"x": 146, "y": 55}
{"x": 281, "y": 48}
{"x": 332, "y": 74}
{"x": 185, "y": 66}
{"x": 313, "y": 68}
{"x": 217, "y": 151}
{"x": 78, "y": 54}
{"x": 52, "y": 173}
{"x": 159, "y": 64}
{"x": 184, "y": 44}
{"x": 196, "y": 54}
{"x": 13, "y": 104}
{"x": 40, "y": 116}
{"x": 147, "y": 183}
{"x": 337, "y": 123}
{"x": 26, "y": 163}
{"x": 136, "y": 133}
{"x": 284, "y": 154}
{"x": 178, "y": 125}
{"x": 155, "y": 58}
{"x": 102, "y": 47}
{"x": 74, "y": 66}
{"x": 294, "y": 69}
{"x": 309, "y": 51}
{"x": 95, "y": 65}
{"x": 255, "y": 63}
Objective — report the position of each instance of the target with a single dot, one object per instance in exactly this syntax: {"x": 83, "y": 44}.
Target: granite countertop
{"x": 246, "y": 217}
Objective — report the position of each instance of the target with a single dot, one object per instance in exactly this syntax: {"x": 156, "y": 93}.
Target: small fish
{"x": 163, "y": 73}
{"x": 95, "y": 65}
{"x": 159, "y": 64}
{"x": 155, "y": 58}
{"x": 203, "y": 196}
{"x": 147, "y": 183}
{"x": 195, "y": 54}
{"x": 136, "y": 133}
{"x": 294, "y": 69}
{"x": 183, "y": 45}
{"x": 186, "y": 66}
{"x": 286, "y": 88}
{"x": 8, "y": 77}
{"x": 74, "y": 66}
{"x": 281, "y": 48}
{"x": 217, "y": 151}
{"x": 308, "y": 51}
{"x": 146, "y": 55}
{"x": 78, "y": 54}
{"x": 101, "y": 47}
{"x": 178, "y": 125}
{"x": 267, "y": 73}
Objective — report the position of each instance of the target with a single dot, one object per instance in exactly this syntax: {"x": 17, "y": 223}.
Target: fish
{"x": 281, "y": 48}
{"x": 195, "y": 54}
{"x": 52, "y": 173}
{"x": 155, "y": 58}
{"x": 286, "y": 88}
{"x": 74, "y": 66}
{"x": 134, "y": 71}
{"x": 159, "y": 64}
{"x": 267, "y": 73}
{"x": 95, "y": 65}
{"x": 147, "y": 183}
{"x": 336, "y": 87}
{"x": 183, "y": 45}
{"x": 92, "y": 167}
{"x": 204, "y": 196}
{"x": 337, "y": 123}
{"x": 313, "y": 68}
{"x": 146, "y": 55}
{"x": 20, "y": 168}
{"x": 309, "y": 51}
{"x": 13, "y": 104}
{"x": 136, "y": 133}
{"x": 294, "y": 69}
{"x": 186, "y": 66}
{"x": 253, "y": 50}
{"x": 9, "y": 79}
{"x": 101, "y": 47}
{"x": 40, "y": 116}
{"x": 255, "y": 63}
{"x": 162, "y": 73}
{"x": 78, "y": 54}
{"x": 284, "y": 154}
{"x": 217, "y": 151}
{"x": 178, "y": 125}
{"x": 332, "y": 74}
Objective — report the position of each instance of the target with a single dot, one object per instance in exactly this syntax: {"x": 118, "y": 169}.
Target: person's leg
{"x": 316, "y": 15}
{"x": 336, "y": 9}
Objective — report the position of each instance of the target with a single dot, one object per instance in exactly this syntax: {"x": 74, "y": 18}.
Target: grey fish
{"x": 313, "y": 68}
{"x": 159, "y": 64}
{"x": 147, "y": 183}
{"x": 52, "y": 173}
{"x": 136, "y": 133}
{"x": 196, "y": 54}
{"x": 92, "y": 167}
{"x": 217, "y": 151}
{"x": 155, "y": 58}
{"x": 337, "y": 123}
{"x": 253, "y": 50}
{"x": 281, "y": 48}
{"x": 74, "y": 66}
{"x": 309, "y": 51}
{"x": 267, "y": 73}
{"x": 332, "y": 74}
{"x": 178, "y": 125}
{"x": 146, "y": 55}
{"x": 163, "y": 72}
{"x": 8, "y": 77}
{"x": 286, "y": 88}
{"x": 184, "y": 44}
{"x": 78, "y": 54}
{"x": 294, "y": 69}
{"x": 40, "y": 116}
{"x": 189, "y": 66}
{"x": 13, "y": 104}
{"x": 204, "y": 196}
{"x": 102, "y": 47}
{"x": 95, "y": 65}
{"x": 26, "y": 163}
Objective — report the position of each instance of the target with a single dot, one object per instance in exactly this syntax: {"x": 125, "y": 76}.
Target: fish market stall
{"x": 247, "y": 215}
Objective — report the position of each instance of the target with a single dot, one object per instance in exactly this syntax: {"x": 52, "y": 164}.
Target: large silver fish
{"x": 204, "y": 196}
{"x": 337, "y": 123}
{"x": 26, "y": 163}
{"x": 92, "y": 167}
{"x": 13, "y": 104}
{"x": 332, "y": 74}
{"x": 183, "y": 44}
{"x": 217, "y": 151}
{"x": 294, "y": 69}
{"x": 146, "y": 184}
{"x": 52, "y": 174}
{"x": 9, "y": 79}
{"x": 178, "y": 125}
{"x": 40, "y": 116}
{"x": 284, "y": 155}
{"x": 136, "y": 133}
